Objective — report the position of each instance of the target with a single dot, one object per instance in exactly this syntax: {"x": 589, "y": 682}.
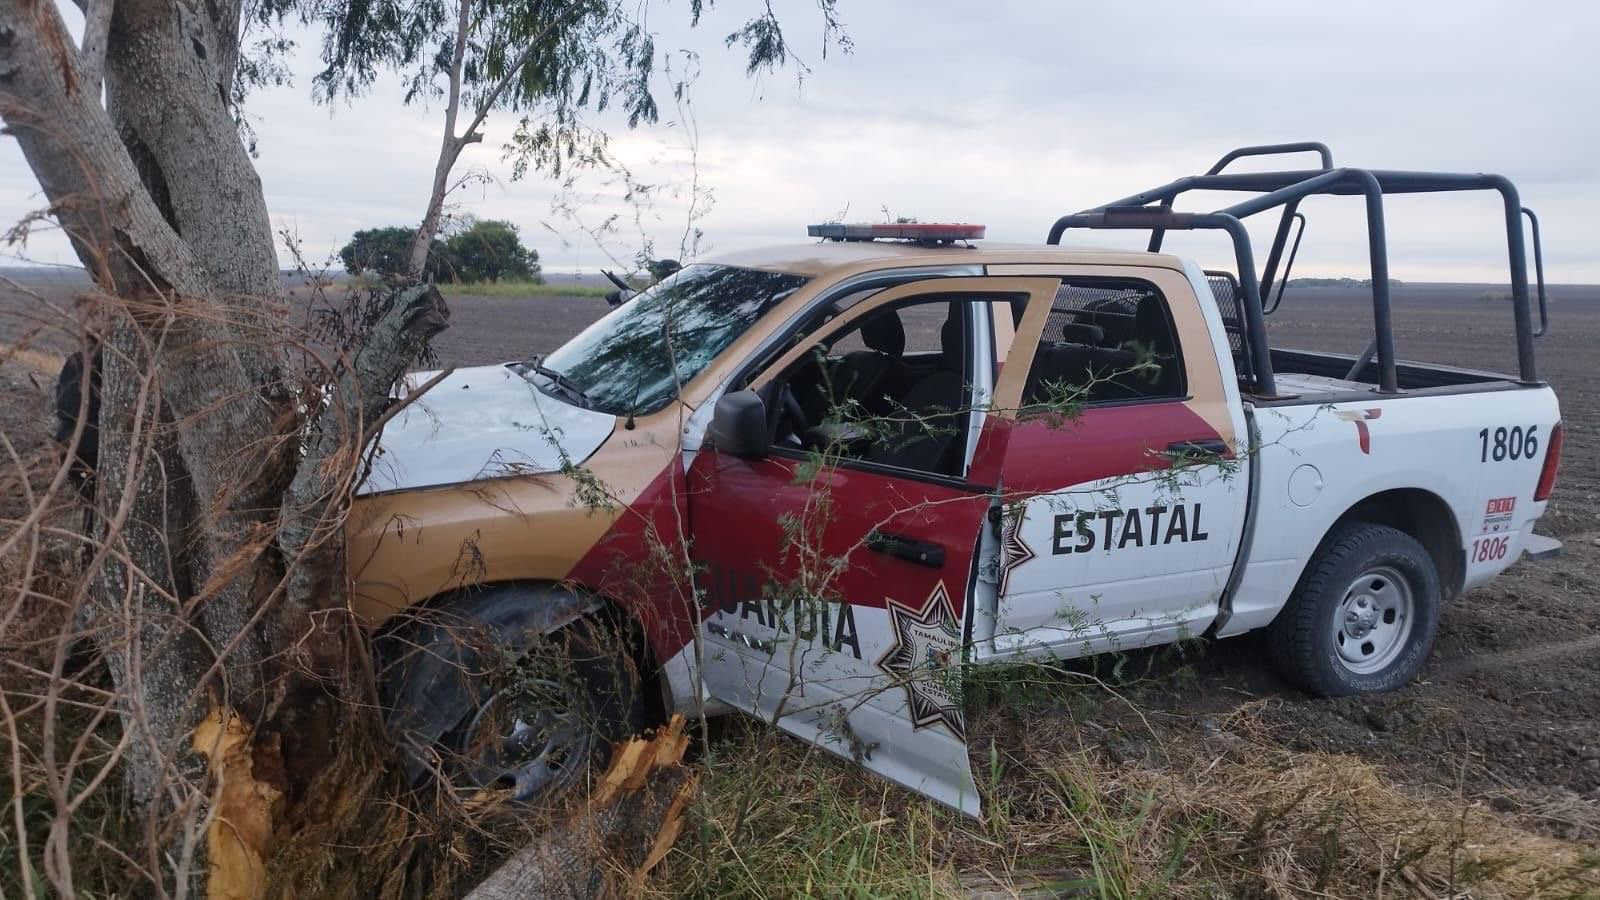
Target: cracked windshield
{"x": 633, "y": 360}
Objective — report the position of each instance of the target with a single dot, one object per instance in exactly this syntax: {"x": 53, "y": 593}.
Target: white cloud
{"x": 1013, "y": 113}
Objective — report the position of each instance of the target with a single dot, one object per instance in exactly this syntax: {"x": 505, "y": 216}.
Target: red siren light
{"x": 921, "y": 232}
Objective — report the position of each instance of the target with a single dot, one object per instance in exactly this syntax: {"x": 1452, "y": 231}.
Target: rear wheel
{"x": 1363, "y": 617}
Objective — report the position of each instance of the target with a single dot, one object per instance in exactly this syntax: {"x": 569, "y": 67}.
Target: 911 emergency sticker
{"x": 1498, "y": 514}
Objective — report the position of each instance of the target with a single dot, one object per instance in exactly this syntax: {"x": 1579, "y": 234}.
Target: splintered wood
{"x": 614, "y": 840}
{"x": 240, "y": 832}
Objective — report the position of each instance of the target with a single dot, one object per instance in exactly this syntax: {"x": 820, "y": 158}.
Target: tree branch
{"x": 513, "y": 73}
{"x": 96, "y": 31}
{"x": 357, "y": 402}
{"x": 449, "y": 150}
{"x": 80, "y": 162}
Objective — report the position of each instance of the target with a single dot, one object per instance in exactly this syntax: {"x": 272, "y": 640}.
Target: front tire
{"x": 1363, "y": 617}
{"x": 481, "y": 695}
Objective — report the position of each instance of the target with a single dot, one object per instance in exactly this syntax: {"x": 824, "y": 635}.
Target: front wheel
{"x": 481, "y": 694}
{"x": 1363, "y": 617}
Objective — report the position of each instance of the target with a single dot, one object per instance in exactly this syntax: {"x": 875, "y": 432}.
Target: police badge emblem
{"x": 925, "y": 658}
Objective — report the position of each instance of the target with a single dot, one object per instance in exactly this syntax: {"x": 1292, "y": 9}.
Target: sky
{"x": 1008, "y": 113}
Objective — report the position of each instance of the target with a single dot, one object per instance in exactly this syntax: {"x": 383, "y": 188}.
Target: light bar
{"x": 923, "y": 232}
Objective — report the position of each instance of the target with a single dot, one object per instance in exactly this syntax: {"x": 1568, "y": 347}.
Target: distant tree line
{"x": 480, "y": 250}
{"x": 1339, "y": 282}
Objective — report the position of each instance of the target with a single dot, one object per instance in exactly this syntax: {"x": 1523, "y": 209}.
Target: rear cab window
{"x": 1106, "y": 341}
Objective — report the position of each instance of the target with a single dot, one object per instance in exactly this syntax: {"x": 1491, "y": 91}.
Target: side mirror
{"x": 739, "y": 425}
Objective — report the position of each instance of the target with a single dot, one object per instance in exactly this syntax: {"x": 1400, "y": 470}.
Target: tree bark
{"x": 199, "y": 310}
{"x": 96, "y": 31}
{"x": 168, "y": 93}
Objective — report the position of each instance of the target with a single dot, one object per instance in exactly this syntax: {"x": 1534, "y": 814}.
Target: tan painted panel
{"x": 1035, "y": 288}
{"x": 838, "y": 259}
{"x": 406, "y": 547}
{"x": 1206, "y": 396}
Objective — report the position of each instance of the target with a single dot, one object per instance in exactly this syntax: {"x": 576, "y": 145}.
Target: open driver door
{"x": 837, "y": 556}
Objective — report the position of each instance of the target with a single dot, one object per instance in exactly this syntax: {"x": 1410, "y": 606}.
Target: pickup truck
{"x": 814, "y": 482}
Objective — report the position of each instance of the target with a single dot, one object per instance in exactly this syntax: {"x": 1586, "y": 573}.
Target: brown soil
{"x": 1506, "y": 712}
{"x": 1508, "y": 709}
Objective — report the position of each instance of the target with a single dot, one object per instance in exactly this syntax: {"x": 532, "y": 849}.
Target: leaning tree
{"x": 214, "y": 578}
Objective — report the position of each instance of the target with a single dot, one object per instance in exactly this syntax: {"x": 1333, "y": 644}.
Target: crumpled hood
{"x": 481, "y": 422}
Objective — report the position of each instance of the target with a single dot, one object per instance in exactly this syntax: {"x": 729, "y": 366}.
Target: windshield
{"x": 624, "y": 363}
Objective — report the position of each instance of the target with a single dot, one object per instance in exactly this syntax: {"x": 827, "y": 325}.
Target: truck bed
{"x": 1306, "y": 376}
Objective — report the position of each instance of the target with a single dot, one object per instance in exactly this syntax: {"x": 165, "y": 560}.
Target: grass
{"x": 521, "y": 289}
{"x": 1219, "y": 810}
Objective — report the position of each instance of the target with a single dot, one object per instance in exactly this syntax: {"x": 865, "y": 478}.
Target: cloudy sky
{"x": 1011, "y": 113}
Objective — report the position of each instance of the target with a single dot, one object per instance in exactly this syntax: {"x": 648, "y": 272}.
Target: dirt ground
{"x": 1507, "y": 713}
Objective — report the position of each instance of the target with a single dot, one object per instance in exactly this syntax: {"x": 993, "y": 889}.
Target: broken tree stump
{"x": 611, "y": 843}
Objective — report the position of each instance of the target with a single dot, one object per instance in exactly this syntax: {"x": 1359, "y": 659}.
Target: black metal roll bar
{"x": 1316, "y": 147}
{"x": 1538, "y": 272}
{"x": 1291, "y": 214}
{"x": 1286, "y": 189}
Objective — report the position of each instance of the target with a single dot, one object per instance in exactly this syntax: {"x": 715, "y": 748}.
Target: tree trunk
{"x": 218, "y": 577}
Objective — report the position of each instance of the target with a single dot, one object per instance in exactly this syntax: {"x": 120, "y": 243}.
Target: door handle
{"x": 922, "y": 553}
{"x": 1208, "y": 448}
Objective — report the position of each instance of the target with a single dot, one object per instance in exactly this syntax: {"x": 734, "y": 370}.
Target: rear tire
{"x": 1363, "y": 617}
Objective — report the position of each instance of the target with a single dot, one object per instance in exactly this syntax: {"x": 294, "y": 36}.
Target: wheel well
{"x": 652, "y": 684}
{"x": 1425, "y": 516}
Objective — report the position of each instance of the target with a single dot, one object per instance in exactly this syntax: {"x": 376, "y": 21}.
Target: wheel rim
{"x": 528, "y": 737}
{"x": 1373, "y": 621}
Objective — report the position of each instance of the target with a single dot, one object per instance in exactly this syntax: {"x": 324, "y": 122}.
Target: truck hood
{"x": 481, "y": 422}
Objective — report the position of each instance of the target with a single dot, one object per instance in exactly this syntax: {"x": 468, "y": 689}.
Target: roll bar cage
{"x": 1285, "y": 190}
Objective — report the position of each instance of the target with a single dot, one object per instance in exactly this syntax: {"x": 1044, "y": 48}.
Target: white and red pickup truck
{"x": 897, "y": 451}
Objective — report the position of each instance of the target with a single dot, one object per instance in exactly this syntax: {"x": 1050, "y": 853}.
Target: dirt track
{"x": 1508, "y": 710}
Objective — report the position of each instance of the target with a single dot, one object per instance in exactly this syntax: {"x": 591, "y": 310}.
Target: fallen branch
{"x": 626, "y": 827}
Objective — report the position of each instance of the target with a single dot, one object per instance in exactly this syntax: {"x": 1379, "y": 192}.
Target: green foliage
{"x": 485, "y": 251}
{"x": 489, "y": 250}
{"x": 548, "y": 60}
{"x": 383, "y": 252}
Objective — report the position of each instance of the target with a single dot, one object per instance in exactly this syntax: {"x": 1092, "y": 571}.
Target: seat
{"x": 1077, "y": 361}
{"x": 1153, "y": 334}
{"x": 1082, "y": 333}
{"x": 873, "y": 376}
{"x": 932, "y": 414}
